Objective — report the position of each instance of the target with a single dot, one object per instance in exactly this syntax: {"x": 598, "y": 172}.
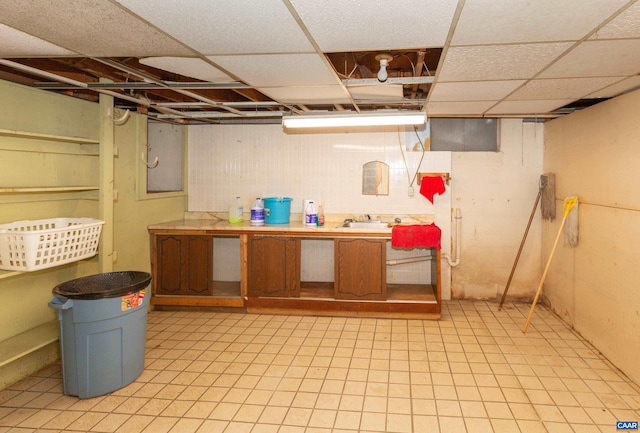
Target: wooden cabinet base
{"x": 196, "y": 301}
{"x": 315, "y": 307}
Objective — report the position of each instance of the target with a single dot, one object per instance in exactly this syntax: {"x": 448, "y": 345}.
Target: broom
{"x": 569, "y": 204}
{"x": 546, "y": 190}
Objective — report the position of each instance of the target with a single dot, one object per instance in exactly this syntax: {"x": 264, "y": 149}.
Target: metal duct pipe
{"x": 457, "y": 220}
{"x": 409, "y": 260}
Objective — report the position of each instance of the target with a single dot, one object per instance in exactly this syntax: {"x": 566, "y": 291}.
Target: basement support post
{"x": 106, "y": 253}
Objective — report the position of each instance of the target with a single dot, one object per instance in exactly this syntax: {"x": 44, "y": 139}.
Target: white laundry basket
{"x": 32, "y": 245}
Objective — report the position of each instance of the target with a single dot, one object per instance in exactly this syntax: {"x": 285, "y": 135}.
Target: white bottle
{"x": 235, "y": 211}
{"x": 257, "y": 213}
{"x": 311, "y": 213}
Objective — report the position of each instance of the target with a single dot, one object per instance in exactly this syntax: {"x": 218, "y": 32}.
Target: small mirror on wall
{"x": 375, "y": 178}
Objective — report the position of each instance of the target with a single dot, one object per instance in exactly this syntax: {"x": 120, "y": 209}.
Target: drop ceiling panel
{"x": 308, "y": 95}
{"x": 271, "y": 70}
{"x": 378, "y": 93}
{"x": 221, "y": 27}
{"x": 624, "y": 25}
{"x": 458, "y": 108}
{"x": 89, "y": 27}
{"x": 616, "y": 89}
{"x": 20, "y": 44}
{"x": 527, "y": 107}
{"x": 561, "y": 88}
{"x": 598, "y": 59}
{"x": 498, "y": 62}
{"x": 474, "y": 90}
{"x": 189, "y": 67}
{"x": 517, "y": 21}
{"x": 337, "y": 25}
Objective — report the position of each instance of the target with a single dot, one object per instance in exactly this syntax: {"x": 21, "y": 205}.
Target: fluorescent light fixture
{"x": 354, "y": 119}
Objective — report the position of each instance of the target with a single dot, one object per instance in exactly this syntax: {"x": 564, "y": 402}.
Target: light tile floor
{"x": 473, "y": 371}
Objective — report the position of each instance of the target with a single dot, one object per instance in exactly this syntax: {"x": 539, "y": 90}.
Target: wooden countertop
{"x": 223, "y": 227}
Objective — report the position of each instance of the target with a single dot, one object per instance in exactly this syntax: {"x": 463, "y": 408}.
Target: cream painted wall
{"x": 29, "y": 162}
{"x": 594, "y": 286}
{"x": 496, "y": 193}
{"x": 131, "y": 215}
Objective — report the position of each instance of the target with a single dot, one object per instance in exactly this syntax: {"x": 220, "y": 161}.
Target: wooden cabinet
{"x": 360, "y": 269}
{"x": 185, "y": 265}
{"x": 273, "y": 266}
{"x": 270, "y": 265}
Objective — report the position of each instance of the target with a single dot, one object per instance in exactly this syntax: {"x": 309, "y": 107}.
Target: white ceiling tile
{"x": 220, "y": 27}
{"x": 382, "y": 92}
{"x": 528, "y": 107}
{"x": 473, "y": 90}
{"x": 308, "y": 95}
{"x": 498, "y": 62}
{"x": 458, "y": 108}
{"x": 561, "y": 88}
{"x": 89, "y": 27}
{"x": 598, "y": 59}
{"x": 338, "y": 25}
{"x": 517, "y": 21}
{"x": 20, "y": 44}
{"x": 271, "y": 70}
{"x": 618, "y": 88}
{"x": 624, "y": 25}
{"x": 189, "y": 67}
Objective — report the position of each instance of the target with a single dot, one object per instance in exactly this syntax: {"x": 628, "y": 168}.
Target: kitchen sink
{"x": 366, "y": 225}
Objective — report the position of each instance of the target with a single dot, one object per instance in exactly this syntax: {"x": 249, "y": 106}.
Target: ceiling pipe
{"x": 152, "y": 79}
{"x": 44, "y": 74}
{"x": 418, "y": 73}
{"x": 80, "y": 84}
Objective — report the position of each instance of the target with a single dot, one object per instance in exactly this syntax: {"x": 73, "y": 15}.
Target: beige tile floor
{"x": 473, "y": 371}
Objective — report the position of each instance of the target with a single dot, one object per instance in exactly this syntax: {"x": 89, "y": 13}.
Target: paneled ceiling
{"x": 253, "y": 61}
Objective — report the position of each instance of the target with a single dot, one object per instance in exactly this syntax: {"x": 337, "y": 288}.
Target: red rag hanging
{"x": 416, "y": 235}
{"x": 431, "y": 185}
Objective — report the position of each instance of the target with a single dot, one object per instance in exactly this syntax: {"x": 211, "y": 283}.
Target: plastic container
{"x": 320, "y": 215}
{"x": 103, "y": 323}
{"x": 236, "y": 211}
{"x": 32, "y": 245}
{"x": 257, "y": 213}
{"x": 311, "y": 214}
{"x": 277, "y": 210}
{"x": 305, "y": 205}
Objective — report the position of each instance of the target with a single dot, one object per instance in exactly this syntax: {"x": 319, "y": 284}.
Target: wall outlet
{"x": 410, "y": 191}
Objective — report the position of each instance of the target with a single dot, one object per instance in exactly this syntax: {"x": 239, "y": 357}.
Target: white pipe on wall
{"x": 457, "y": 221}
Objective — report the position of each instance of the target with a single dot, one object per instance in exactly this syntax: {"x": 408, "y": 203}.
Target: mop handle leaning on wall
{"x": 569, "y": 204}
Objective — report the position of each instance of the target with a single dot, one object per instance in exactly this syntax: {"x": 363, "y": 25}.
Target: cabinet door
{"x": 185, "y": 265}
{"x": 360, "y": 271}
{"x": 274, "y": 266}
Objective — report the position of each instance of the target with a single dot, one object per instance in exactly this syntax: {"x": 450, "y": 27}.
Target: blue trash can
{"x": 103, "y": 323}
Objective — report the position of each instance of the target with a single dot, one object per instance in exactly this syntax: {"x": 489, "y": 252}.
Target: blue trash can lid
{"x": 107, "y": 285}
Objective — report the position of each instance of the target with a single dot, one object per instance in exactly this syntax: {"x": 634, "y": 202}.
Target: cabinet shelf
{"x": 48, "y": 137}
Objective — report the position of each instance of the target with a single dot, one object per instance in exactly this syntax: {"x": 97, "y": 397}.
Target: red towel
{"x": 431, "y": 185}
{"x": 418, "y": 235}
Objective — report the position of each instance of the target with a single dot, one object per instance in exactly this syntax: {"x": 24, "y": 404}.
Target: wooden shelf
{"x": 37, "y": 189}
{"x": 27, "y": 342}
{"x": 47, "y": 137}
{"x": 9, "y": 274}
